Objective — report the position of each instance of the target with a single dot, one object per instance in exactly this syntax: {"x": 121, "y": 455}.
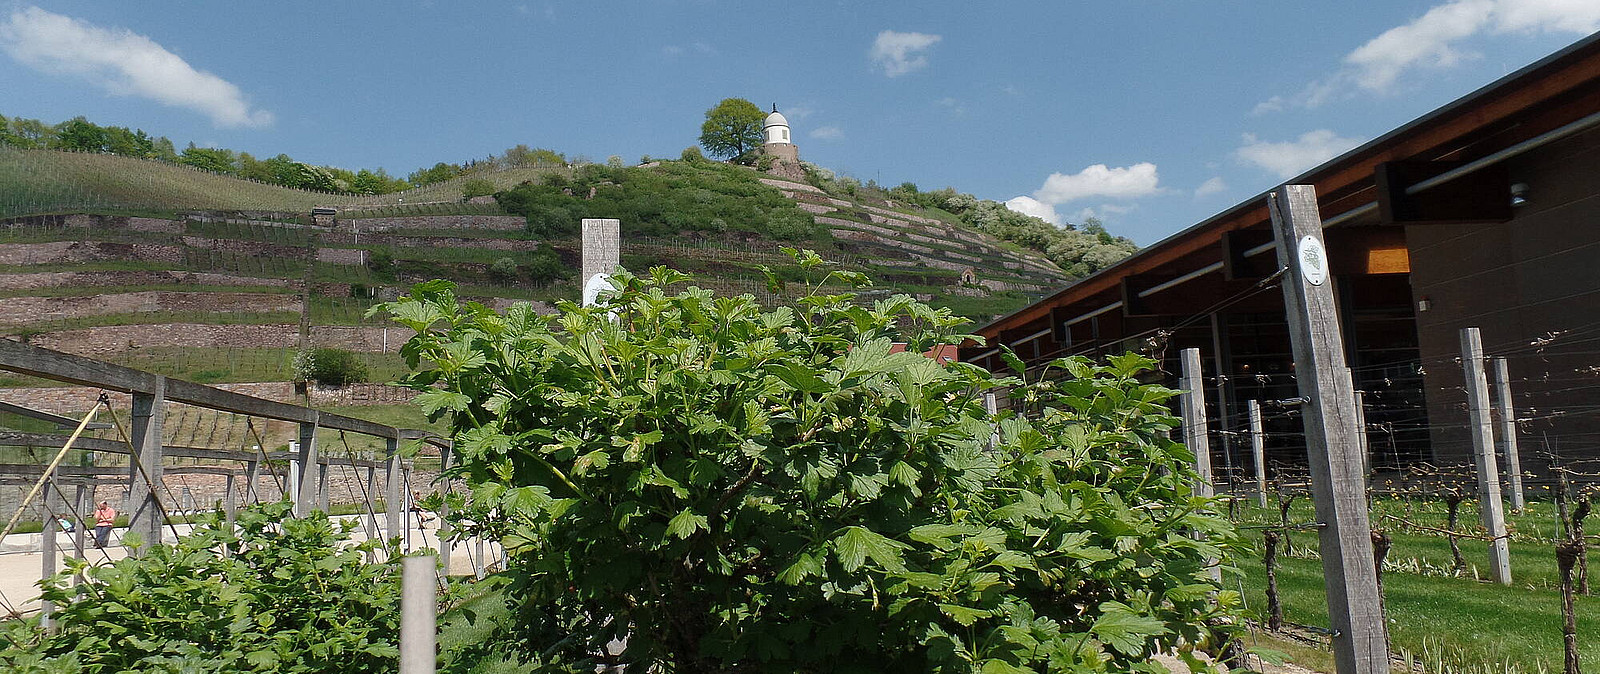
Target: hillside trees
{"x": 737, "y": 489}
{"x": 732, "y": 129}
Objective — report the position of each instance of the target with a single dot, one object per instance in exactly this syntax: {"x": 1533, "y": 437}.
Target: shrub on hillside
{"x": 661, "y": 201}
{"x": 476, "y": 187}
{"x": 287, "y": 595}
{"x": 735, "y": 489}
{"x": 329, "y": 367}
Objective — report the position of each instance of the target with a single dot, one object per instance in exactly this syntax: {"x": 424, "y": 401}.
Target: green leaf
{"x": 858, "y": 544}
{"x": 962, "y": 614}
{"x": 1124, "y": 629}
{"x": 684, "y": 524}
{"x": 434, "y": 401}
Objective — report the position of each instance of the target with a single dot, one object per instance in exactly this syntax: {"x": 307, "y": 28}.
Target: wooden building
{"x": 1485, "y": 212}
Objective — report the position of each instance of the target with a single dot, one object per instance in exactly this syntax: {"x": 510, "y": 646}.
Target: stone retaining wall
{"x": 84, "y": 279}
{"x": 69, "y": 252}
{"x": 25, "y": 310}
{"x": 494, "y": 222}
{"x": 352, "y": 239}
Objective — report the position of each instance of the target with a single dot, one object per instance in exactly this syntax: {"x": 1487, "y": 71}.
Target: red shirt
{"x": 105, "y": 516}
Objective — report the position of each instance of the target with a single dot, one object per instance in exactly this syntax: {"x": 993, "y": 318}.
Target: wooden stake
{"x": 1508, "y": 433}
{"x": 306, "y": 498}
{"x": 419, "y": 604}
{"x": 1259, "y": 451}
{"x": 1192, "y": 405}
{"x": 1481, "y": 429}
{"x": 1355, "y": 611}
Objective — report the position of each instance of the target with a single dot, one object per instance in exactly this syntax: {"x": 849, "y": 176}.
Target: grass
{"x": 90, "y": 291}
{"x": 1477, "y": 623}
{"x": 228, "y": 365}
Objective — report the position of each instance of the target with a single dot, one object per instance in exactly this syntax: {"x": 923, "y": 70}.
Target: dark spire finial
{"x": 774, "y": 107}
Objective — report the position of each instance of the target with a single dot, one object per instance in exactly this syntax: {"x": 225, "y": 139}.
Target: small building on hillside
{"x": 1484, "y": 213}
{"x": 777, "y": 144}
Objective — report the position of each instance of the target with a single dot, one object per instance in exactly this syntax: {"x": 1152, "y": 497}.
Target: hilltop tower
{"x": 778, "y": 145}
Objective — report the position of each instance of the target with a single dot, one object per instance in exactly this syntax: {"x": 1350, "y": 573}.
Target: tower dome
{"x": 776, "y": 128}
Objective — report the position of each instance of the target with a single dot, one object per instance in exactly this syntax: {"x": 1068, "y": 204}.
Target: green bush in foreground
{"x": 739, "y": 490}
{"x": 289, "y": 596}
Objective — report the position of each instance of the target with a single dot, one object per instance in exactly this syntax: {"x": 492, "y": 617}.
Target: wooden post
{"x": 371, "y": 497}
{"x": 252, "y": 474}
{"x": 410, "y": 503}
{"x": 1192, "y": 405}
{"x": 47, "y": 545}
{"x": 419, "y": 624}
{"x": 1258, "y": 449}
{"x": 144, "y": 471}
{"x": 1355, "y": 611}
{"x": 306, "y": 499}
{"x": 80, "y": 498}
{"x": 1481, "y": 429}
{"x": 1361, "y": 434}
{"x": 602, "y": 248}
{"x": 394, "y": 503}
{"x": 1508, "y": 433}
{"x": 444, "y": 532}
{"x": 229, "y": 504}
{"x": 324, "y": 494}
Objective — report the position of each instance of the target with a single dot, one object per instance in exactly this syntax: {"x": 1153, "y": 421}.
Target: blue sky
{"x": 1149, "y": 115}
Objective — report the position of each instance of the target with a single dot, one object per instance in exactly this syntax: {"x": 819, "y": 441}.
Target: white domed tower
{"x": 776, "y": 128}
{"x": 778, "y": 144}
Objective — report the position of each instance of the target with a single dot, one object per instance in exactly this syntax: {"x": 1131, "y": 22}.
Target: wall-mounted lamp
{"x": 1519, "y": 194}
{"x": 1424, "y": 304}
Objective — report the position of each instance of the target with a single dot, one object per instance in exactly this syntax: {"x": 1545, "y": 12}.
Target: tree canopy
{"x": 732, "y": 128}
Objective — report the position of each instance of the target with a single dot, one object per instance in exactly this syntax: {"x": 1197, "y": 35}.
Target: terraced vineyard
{"x": 215, "y": 279}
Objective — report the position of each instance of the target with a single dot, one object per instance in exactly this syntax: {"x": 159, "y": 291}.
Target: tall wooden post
{"x": 144, "y": 472}
{"x": 370, "y": 495}
{"x": 1355, "y": 610}
{"x": 306, "y": 499}
{"x": 1192, "y": 404}
{"x": 1258, "y": 450}
{"x": 1508, "y": 433}
{"x": 601, "y": 246}
{"x": 394, "y": 503}
{"x": 229, "y": 500}
{"x": 324, "y": 494}
{"x": 419, "y": 624}
{"x": 1361, "y": 434}
{"x": 408, "y": 502}
{"x": 81, "y": 497}
{"x": 446, "y": 545}
{"x": 47, "y": 545}
{"x": 1481, "y": 427}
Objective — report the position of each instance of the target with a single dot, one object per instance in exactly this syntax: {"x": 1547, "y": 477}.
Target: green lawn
{"x": 1479, "y": 622}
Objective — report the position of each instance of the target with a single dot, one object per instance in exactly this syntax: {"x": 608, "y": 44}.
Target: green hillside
{"x": 52, "y": 181}
{"x": 211, "y": 278}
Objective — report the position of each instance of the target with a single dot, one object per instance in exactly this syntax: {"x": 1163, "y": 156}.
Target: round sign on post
{"x": 1313, "y": 261}
{"x": 597, "y": 284}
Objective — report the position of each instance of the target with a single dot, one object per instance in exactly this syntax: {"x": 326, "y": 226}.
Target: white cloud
{"x": 1123, "y": 182}
{"x": 953, "y": 105}
{"x": 901, "y": 53}
{"x": 1027, "y": 205}
{"x": 1289, "y": 158}
{"x": 827, "y": 133}
{"x": 1434, "y": 40}
{"x": 123, "y": 63}
{"x": 1212, "y": 186}
{"x": 798, "y": 111}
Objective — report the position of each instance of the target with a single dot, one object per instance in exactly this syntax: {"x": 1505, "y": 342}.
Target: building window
{"x": 785, "y": 136}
